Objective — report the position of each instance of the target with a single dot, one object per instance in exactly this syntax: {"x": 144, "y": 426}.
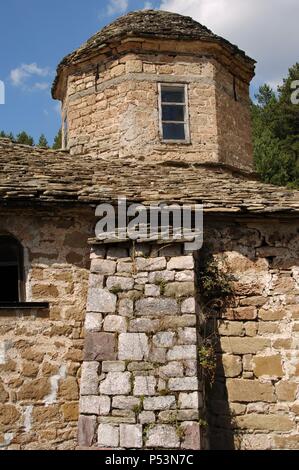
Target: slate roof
{"x": 155, "y": 24}
{"x": 34, "y": 175}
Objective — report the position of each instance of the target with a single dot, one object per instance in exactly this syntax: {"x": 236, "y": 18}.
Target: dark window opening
{"x": 174, "y": 113}
{"x": 11, "y": 270}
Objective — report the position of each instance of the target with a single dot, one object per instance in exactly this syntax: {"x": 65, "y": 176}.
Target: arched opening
{"x": 11, "y": 270}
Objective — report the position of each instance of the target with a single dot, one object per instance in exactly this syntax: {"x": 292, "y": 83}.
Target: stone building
{"x": 114, "y": 343}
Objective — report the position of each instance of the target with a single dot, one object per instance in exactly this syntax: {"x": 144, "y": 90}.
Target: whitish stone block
{"x": 100, "y": 300}
{"x": 172, "y": 369}
{"x": 126, "y": 307}
{"x": 116, "y": 383}
{"x": 186, "y": 383}
{"x": 94, "y": 405}
{"x": 101, "y": 266}
{"x": 125, "y": 403}
{"x": 2, "y": 352}
{"x": 115, "y": 323}
{"x": 185, "y": 276}
{"x": 131, "y": 436}
{"x": 119, "y": 282}
{"x": 108, "y": 435}
{"x": 188, "y": 401}
{"x": 150, "y": 264}
{"x": 161, "y": 276}
{"x": 181, "y": 263}
{"x": 188, "y": 306}
{"x": 93, "y": 321}
{"x": 113, "y": 366}
{"x": 133, "y": 347}
{"x": 156, "y": 306}
{"x": 164, "y": 339}
{"x": 89, "y": 378}
{"x": 147, "y": 417}
{"x": 178, "y": 353}
{"x": 187, "y": 336}
{"x": 144, "y": 325}
{"x": 164, "y": 436}
{"x": 151, "y": 290}
{"x": 144, "y": 385}
{"x": 160, "y": 403}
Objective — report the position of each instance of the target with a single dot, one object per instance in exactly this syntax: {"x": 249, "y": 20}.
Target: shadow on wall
{"x": 215, "y": 295}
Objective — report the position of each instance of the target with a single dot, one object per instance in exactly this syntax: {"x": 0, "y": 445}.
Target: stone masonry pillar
{"x": 139, "y": 380}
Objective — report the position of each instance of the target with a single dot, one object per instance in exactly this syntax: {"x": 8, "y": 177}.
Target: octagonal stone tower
{"x": 155, "y": 85}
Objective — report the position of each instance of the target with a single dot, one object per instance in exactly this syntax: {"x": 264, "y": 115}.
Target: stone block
{"x": 267, "y": 365}
{"x": 185, "y": 276}
{"x": 133, "y": 346}
{"x": 116, "y": 383}
{"x": 125, "y": 403}
{"x": 108, "y": 435}
{"x": 147, "y": 417}
{"x": 113, "y": 366}
{"x": 241, "y": 390}
{"x": 115, "y": 323}
{"x": 191, "y": 440}
{"x": 232, "y": 365}
{"x": 99, "y": 347}
{"x": 103, "y": 266}
{"x": 187, "y": 336}
{"x": 189, "y": 401}
{"x": 89, "y": 378}
{"x": 151, "y": 290}
{"x": 150, "y": 264}
{"x": 156, "y": 307}
{"x": 263, "y": 422}
{"x": 131, "y": 436}
{"x": 182, "y": 384}
{"x": 117, "y": 252}
{"x": 159, "y": 403}
{"x": 231, "y": 328}
{"x": 144, "y": 385}
{"x": 181, "y": 263}
{"x": 164, "y": 339}
{"x": 244, "y": 345}
{"x": 126, "y": 307}
{"x": 188, "y": 305}
{"x": 94, "y": 405}
{"x": 172, "y": 369}
{"x": 93, "y": 321}
{"x": 86, "y": 430}
{"x": 144, "y": 325}
{"x": 119, "y": 282}
{"x": 286, "y": 391}
{"x": 162, "y": 436}
{"x": 160, "y": 277}
{"x": 101, "y": 300}
{"x": 179, "y": 289}
{"x": 178, "y": 353}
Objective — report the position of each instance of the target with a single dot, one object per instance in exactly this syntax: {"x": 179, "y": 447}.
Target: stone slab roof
{"x": 155, "y": 24}
{"x": 34, "y": 175}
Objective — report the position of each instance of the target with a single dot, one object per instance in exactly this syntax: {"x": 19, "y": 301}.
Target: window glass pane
{"x": 173, "y": 113}
{"x": 173, "y": 94}
{"x": 173, "y": 131}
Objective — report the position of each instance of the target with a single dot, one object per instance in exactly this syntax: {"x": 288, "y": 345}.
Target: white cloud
{"x": 266, "y": 29}
{"x": 23, "y": 75}
{"x": 117, "y": 7}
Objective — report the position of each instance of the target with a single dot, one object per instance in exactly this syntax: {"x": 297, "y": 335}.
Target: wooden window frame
{"x": 186, "y": 121}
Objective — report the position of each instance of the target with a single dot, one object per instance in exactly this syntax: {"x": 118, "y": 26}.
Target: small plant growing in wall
{"x": 207, "y": 359}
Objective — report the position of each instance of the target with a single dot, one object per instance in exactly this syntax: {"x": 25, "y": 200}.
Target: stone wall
{"x": 112, "y": 105}
{"x": 41, "y": 350}
{"x": 139, "y": 384}
{"x": 254, "y": 403}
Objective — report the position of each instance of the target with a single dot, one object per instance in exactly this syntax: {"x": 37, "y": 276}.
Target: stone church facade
{"x": 115, "y": 343}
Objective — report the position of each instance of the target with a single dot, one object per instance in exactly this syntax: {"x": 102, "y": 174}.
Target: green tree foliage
{"x": 276, "y": 133}
{"x": 25, "y": 139}
{"x": 43, "y": 142}
{"x": 58, "y": 141}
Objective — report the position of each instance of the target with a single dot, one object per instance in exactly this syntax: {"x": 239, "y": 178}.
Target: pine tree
{"x": 43, "y": 142}
{"x": 25, "y": 139}
{"x": 57, "y": 145}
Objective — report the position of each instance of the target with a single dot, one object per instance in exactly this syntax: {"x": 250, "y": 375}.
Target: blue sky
{"x": 35, "y": 35}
